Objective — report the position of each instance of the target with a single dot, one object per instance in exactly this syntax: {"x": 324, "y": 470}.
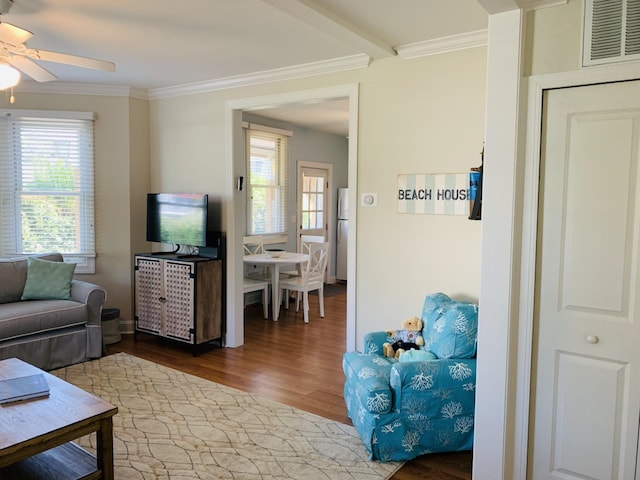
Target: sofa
{"x": 47, "y": 318}
{"x": 422, "y": 402}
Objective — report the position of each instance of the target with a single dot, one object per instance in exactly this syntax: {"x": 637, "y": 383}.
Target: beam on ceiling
{"x": 498, "y": 6}
{"x": 328, "y": 22}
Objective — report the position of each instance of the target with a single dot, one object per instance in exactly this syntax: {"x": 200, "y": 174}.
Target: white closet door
{"x": 586, "y": 371}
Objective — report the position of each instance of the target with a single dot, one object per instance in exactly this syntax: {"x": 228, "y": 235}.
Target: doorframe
{"x": 233, "y": 211}
{"x": 328, "y": 207}
{"x": 536, "y": 87}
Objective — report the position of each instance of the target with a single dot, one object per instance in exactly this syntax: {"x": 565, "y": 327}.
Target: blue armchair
{"x": 405, "y": 408}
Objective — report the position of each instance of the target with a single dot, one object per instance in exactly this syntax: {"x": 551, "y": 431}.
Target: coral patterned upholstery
{"x": 405, "y": 409}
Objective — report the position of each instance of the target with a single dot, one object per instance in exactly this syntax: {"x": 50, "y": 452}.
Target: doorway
{"x": 314, "y": 198}
{"x": 313, "y": 203}
{"x": 587, "y": 286}
{"x": 234, "y": 207}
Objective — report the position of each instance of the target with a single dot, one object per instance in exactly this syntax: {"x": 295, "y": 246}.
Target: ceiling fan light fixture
{"x": 9, "y": 76}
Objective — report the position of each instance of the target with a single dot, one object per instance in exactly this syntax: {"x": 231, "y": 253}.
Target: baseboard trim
{"x": 126, "y": 326}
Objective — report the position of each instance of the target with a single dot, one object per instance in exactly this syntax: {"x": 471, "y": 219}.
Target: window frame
{"x": 11, "y": 166}
{"x": 280, "y": 188}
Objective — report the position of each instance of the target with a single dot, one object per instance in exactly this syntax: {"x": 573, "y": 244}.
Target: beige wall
{"x": 554, "y": 39}
{"x": 422, "y": 116}
{"x": 139, "y": 185}
{"x": 188, "y": 148}
{"x": 416, "y": 116}
{"x": 121, "y": 153}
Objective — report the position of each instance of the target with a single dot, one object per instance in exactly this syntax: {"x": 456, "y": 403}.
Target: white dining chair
{"x": 258, "y": 280}
{"x": 312, "y": 278}
{"x": 254, "y": 285}
{"x": 253, "y": 244}
{"x": 305, "y": 240}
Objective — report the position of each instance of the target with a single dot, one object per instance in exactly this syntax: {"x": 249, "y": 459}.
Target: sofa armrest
{"x": 367, "y": 381}
{"x": 373, "y": 342}
{"x": 441, "y": 387}
{"x": 93, "y": 296}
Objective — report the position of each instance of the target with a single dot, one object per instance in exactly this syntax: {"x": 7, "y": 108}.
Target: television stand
{"x": 178, "y": 298}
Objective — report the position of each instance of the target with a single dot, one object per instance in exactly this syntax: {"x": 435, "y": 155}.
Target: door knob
{"x": 592, "y": 339}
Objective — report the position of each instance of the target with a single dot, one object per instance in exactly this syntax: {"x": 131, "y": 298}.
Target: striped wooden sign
{"x": 435, "y": 194}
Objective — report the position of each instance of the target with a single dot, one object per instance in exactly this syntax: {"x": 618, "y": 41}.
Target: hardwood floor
{"x": 290, "y": 362}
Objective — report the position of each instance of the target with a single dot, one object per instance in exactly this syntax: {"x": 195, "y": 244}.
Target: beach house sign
{"x": 436, "y": 194}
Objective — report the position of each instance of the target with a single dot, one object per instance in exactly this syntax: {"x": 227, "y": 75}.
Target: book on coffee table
{"x": 23, "y": 388}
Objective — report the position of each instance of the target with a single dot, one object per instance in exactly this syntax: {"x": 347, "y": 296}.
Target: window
{"x": 314, "y": 186}
{"x": 267, "y": 174}
{"x": 46, "y": 185}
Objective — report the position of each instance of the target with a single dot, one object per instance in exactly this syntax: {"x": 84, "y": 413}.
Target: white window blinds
{"x": 46, "y": 184}
{"x": 267, "y": 175}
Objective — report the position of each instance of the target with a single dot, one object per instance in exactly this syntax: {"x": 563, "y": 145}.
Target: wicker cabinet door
{"x": 179, "y": 294}
{"x": 148, "y": 276}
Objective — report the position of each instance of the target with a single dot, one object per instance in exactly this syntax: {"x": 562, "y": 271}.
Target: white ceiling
{"x": 159, "y": 44}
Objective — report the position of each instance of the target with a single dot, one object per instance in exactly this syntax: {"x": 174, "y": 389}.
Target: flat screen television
{"x": 178, "y": 218}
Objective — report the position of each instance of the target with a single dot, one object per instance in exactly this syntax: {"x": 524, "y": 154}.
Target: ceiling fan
{"x": 15, "y": 53}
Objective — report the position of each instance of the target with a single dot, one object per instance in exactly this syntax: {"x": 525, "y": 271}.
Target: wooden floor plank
{"x": 290, "y": 362}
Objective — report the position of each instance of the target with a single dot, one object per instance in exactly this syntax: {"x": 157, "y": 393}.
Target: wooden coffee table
{"x": 36, "y": 435}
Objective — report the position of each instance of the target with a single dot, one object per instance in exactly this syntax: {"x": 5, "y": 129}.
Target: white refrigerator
{"x": 342, "y": 234}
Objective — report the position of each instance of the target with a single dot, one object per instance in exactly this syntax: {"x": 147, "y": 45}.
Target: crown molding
{"x": 451, "y": 43}
{"x": 81, "y": 89}
{"x": 268, "y": 76}
{"x": 279, "y": 74}
{"x": 432, "y": 47}
{"x": 537, "y": 4}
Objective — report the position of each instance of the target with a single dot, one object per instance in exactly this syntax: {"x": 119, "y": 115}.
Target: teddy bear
{"x": 410, "y": 336}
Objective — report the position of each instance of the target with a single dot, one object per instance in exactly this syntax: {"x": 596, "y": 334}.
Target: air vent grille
{"x": 632, "y": 37}
{"x": 606, "y": 29}
{"x": 611, "y": 31}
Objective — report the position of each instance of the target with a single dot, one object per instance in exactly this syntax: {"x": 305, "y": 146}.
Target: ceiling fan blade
{"x": 31, "y": 68}
{"x": 13, "y": 35}
{"x": 67, "y": 59}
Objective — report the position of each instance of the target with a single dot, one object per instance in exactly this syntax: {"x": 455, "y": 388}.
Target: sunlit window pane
{"x": 267, "y": 183}
{"x": 46, "y": 180}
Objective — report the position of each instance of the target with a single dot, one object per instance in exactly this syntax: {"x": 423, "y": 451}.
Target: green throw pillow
{"x": 47, "y": 280}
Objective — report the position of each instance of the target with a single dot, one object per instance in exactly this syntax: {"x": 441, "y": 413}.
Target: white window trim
{"x": 8, "y": 112}
{"x": 270, "y": 238}
{"x": 85, "y": 262}
{"x": 264, "y": 128}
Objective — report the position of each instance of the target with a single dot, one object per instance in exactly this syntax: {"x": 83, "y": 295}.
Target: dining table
{"x": 275, "y": 263}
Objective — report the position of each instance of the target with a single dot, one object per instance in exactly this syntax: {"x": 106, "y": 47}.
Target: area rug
{"x": 172, "y": 425}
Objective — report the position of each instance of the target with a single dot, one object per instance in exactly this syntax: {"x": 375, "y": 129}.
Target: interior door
{"x": 586, "y": 358}
{"x": 313, "y": 200}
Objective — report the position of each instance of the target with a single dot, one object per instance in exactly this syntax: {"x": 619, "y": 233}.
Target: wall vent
{"x": 611, "y": 31}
